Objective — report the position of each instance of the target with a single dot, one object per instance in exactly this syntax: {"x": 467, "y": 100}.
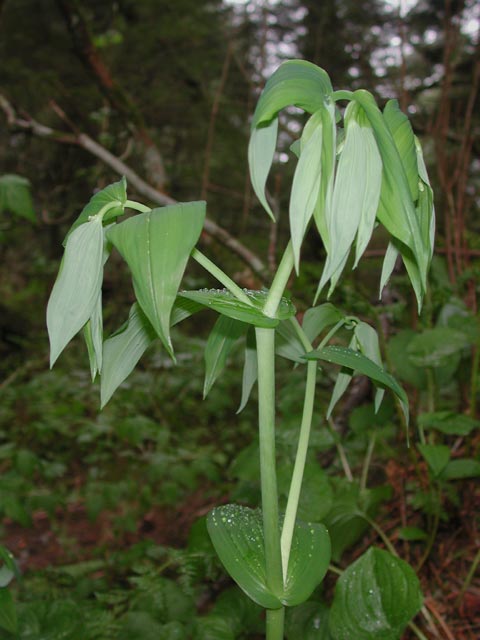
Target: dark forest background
{"x": 163, "y": 92}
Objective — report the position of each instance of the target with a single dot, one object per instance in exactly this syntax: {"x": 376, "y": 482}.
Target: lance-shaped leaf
{"x": 425, "y": 206}
{"x": 288, "y": 344}
{"x": 306, "y": 183}
{"x": 317, "y": 319}
{"x": 112, "y": 197}
{"x": 93, "y": 334}
{"x": 156, "y": 246}
{"x": 402, "y": 133}
{"x": 227, "y": 304}
{"x": 295, "y": 83}
{"x": 389, "y": 262}
{"x": 375, "y": 598}
{"x": 250, "y": 368}
{"x": 321, "y": 212}
{"x": 261, "y": 150}
{"x": 123, "y": 349}
{"x": 15, "y": 196}
{"x": 356, "y": 193}
{"x": 369, "y": 345}
{"x": 75, "y": 292}
{"x": 221, "y": 340}
{"x": 356, "y": 361}
{"x": 396, "y": 210}
{"x": 341, "y": 383}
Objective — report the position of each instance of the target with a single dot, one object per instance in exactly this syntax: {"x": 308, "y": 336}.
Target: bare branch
{"x": 139, "y": 184}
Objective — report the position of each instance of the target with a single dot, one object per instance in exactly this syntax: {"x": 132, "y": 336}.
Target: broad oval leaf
{"x": 123, "y": 349}
{"x": 224, "y": 302}
{"x": 156, "y": 246}
{"x": 76, "y": 290}
{"x": 448, "y": 422}
{"x": 437, "y": 456}
{"x": 295, "y": 83}
{"x": 221, "y": 340}
{"x": 436, "y": 347}
{"x": 15, "y": 196}
{"x": 113, "y": 196}
{"x": 308, "y": 562}
{"x": 237, "y": 535}
{"x": 375, "y": 598}
{"x": 356, "y": 361}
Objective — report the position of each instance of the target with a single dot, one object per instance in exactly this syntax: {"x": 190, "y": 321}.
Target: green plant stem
{"x": 420, "y": 635}
{"x": 380, "y": 531}
{"x": 341, "y": 451}
{"x": 469, "y": 578}
{"x": 433, "y": 530}
{"x": 367, "y": 462}
{"x": 268, "y": 475}
{"x": 221, "y": 276}
{"x": 275, "y": 623}
{"x": 137, "y": 206}
{"x": 299, "y": 466}
{"x": 279, "y": 282}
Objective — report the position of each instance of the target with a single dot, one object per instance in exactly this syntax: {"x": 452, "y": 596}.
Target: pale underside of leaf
{"x": 261, "y": 150}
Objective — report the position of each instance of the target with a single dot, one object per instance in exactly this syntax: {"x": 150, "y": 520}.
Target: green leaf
{"x": 375, "y": 598}
{"x": 316, "y": 319}
{"x": 354, "y": 360}
{"x": 77, "y": 287}
{"x": 8, "y": 614}
{"x": 388, "y": 266}
{"x": 93, "y": 334}
{"x": 15, "y": 196}
{"x": 237, "y": 535}
{"x": 412, "y": 534}
{"x": 123, "y": 349}
{"x": 356, "y": 194}
{"x": 437, "y": 456}
{"x": 397, "y": 348}
{"x": 224, "y": 302}
{"x": 396, "y": 210}
{"x": 308, "y": 563}
{"x": 295, "y": 83}
{"x": 425, "y": 205}
{"x": 261, "y": 150}
{"x": 114, "y": 196}
{"x": 402, "y": 133}
{"x": 288, "y": 344}
{"x": 369, "y": 345}
{"x": 461, "y": 468}
{"x": 250, "y": 368}
{"x": 316, "y": 497}
{"x": 156, "y": 246}
{"x": 306, "y": 183}
{"x": 448, "y": 422}
{"x": 341, "y": 383}
{"x": 308, "y": 621}
{"x": 8, "y": 569}
{"x": 221, "y": 340}
{"x": 435, "y": 347}
{"x": 322, "y": 211}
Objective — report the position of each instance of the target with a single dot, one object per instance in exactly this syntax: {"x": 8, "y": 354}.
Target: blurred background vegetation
{"x": 163, "y": 92}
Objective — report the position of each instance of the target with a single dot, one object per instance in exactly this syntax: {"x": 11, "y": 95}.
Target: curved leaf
{"x": 224, "y": 302}
{"x": 375, "y": 598}
{"x": 354, "y": 360}
{"x": 15, "y": 196}
{"x": 295, "y": 83}
{"x": 402, "y": 133}
{"x": 250, "y": 369}
{"x": 221, "y": 340}
{"x": 77, "y": 287}
{"x": 122, "y": 351}
{"x": 156, "y": 246}
{"x": 261, "y": 150}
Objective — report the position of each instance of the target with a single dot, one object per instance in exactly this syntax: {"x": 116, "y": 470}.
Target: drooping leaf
{"x": 123, "y": 349}
{"x": 250, "y": 368}
{"x": 308, "y": 563}
{"x": 356, "y": 193}
{"x": 221, "y": 340}
{"x": 156, "y": 246}
{"x": 375, "y": 598}
{"x": 77, "y": 287}
{"x": 306, "y": 183}
{"x": 344, "y": 378}
{"x": 224, "y": 302}
{"x": 369, "y": 345}
{"x": 437, "y": 456}
{"x": 114, "y": 196}
{"x": 396, "y": 210}
{"x": 295, "y": 83}
{"x": 388, "y": 266}
{"x": 425, "y": 205}
{"x": 288, "y": 344}
{"x": 322, "y": 213}
{"x": 402, "y": 134}
{"x": 237, "y": 535}
{"x": 8, "y": 613}
{"x": 261, "y": 150}
{"x": 93, "y": 334}
{"x": 316, "y": 319}
{"x": 15, "y": 196}
{"x": 356, "y": 361}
